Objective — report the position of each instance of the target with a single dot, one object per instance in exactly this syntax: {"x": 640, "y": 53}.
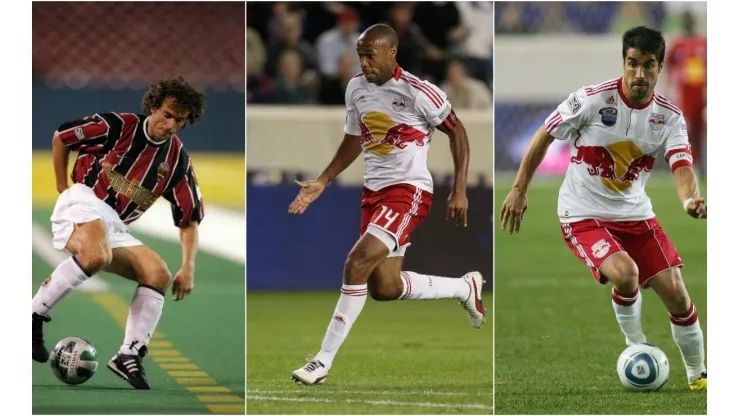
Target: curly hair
{"x": 186, "y": 98}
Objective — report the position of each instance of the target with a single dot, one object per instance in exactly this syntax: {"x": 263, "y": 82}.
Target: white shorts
{"x": 78, "y": 204}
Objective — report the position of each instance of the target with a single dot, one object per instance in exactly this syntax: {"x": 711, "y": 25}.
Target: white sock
{"x": 689, "y": 337}
{"x": 628, "y": 308}
{"x": 422, "y": 286}
{"x": 350, "y": 304}
{"x": 143, "y": 316}
{"x": 64, "y": 279}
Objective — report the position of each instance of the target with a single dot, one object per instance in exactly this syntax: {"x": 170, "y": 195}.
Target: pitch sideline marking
{"x": 161, "y": 350}
{"x": 370, "y": 402}
{"x": 369, "y": 392}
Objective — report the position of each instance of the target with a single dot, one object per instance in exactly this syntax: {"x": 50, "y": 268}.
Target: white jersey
{"x": 395, "y": 122}
{"x": 613, "y": 147}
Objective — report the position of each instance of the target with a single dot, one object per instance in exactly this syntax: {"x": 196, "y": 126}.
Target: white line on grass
{"x": 370, "y": 392}
{"x": 370, "y": 402}
{"x": 44, "y": 248}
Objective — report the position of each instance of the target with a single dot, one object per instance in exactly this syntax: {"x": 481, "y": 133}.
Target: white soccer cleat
{"x": 474, "y": 304}
{"x": 312, "y": 373}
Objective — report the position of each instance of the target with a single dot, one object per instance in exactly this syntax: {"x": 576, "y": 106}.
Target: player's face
{"x": 641, "y": 73}
{"x": 166, "y": 121}
{"x": 376, "y": 60}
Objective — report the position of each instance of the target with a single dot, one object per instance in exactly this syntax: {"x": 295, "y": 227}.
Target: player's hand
{"x": 697, "y": 208}
{"x": 183, "y": 283}
{"x": 310, "y": 191}
{"x": 457, "y": 208}
{"x": 512, "y": 211}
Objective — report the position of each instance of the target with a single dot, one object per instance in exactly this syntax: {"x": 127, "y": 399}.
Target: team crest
{"x": 608, "y": 116}
{"x": 600, "y": 248}
{"x": 611, "y": 100}
{"x": 399, "y": 104}
{"x": 163, "y": 170}
{"x": 657, "y": 121}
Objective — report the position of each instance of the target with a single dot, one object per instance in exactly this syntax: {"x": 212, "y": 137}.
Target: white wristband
{"x": 686, "y": 203}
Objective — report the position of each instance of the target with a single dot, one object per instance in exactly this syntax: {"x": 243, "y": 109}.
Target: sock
{"x": 64, "y": 279}
{"x": 351, "y": 302}
{"x": 628, "y": 308}
{"x": 421, "y": 286}
{"x": 689, "y": 337}
{"x": 143, "y": 316}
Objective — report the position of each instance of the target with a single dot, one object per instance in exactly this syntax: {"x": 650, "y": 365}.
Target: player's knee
{"x": 675, "y": 295}
{"x": 356, "y": 268}
{"x": 383, "y": 289}
{"x": 95, "y": 257}
{"x": 625, "y": 275}
{"x": 158, "y": 275}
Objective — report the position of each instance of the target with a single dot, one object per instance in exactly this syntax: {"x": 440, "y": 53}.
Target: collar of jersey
{"x": 149, "y": 139}
{"x": 626, "y": 100}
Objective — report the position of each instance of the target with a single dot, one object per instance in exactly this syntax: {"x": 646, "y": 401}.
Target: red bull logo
{"x": 380, "y": 134}
{"x": 656, "y": 121}
{"x": 618, "y": 164}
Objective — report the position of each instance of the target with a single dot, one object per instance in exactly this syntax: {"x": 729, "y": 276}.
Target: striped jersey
{"x": 128, "y": 170}
{"x": 613, "y": 148}
{"x": 395, "y": 122}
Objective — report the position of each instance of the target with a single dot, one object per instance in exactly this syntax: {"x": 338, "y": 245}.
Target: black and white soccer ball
{"x": 74, "y": 360}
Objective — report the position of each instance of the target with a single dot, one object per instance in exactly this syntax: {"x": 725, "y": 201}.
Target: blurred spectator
{"x": 463, "y": 91}
{"x": 337, "y": 42}
{"x": 511, "y": 21}
{"x": 291, "y": 40}
{"x": 256, "y": 56}
{"x": 333, "y": 89}
{"x": 413, "y": 47}
{"x": 476, "y": 50}
{"x": 439, "y": 22}
{"x": 631, "y": 14}
{"x": 275, "y": 26}
{"x": 290, "y": 86}
{"x": 686, "y": 64}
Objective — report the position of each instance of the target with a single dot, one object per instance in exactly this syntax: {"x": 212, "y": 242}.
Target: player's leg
{"x": 141, "y": 264}
{"x": 603, "y": 253}
{"x": 362, "y": 259}
{"x": 88, "y": 244}
{"x": 389, "y": 282}
{"x": 659, "y": 265}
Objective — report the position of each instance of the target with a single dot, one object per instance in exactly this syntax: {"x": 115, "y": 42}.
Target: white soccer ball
{"x": 74, "y": 360}
{"x": 643, "y": 368}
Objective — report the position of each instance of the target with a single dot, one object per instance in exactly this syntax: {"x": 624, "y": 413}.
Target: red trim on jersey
{"x": 436, "y": 99}
{"x": 553, "y": 122}
{"x": 598, "y": 89}
{"x": 397, "y": 74}
{"x": 358, "y": 75}
{"x": 626, "y": 100}
{"x": 663, "y": 102}
{"x": 681, "y": 162}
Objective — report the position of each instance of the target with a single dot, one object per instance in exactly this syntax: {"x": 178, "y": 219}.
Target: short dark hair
{"x": 185, "y": 96}
{"x": 644, "y": 39}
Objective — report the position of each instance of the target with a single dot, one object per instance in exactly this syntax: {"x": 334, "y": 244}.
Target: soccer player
{"x": 391, "y": 115}
{"x": 616, "y": 130}
{"x": 125, "y": 163}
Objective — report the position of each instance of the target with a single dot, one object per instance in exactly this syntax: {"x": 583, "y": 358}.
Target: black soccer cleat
{"x": 130, "y": 368}
{"x": 39, "y": 351}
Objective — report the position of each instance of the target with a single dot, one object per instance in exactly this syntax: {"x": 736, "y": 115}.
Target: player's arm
{"x": 183, "y": 283}
{"x": 562, "y": 123}
{"x": 679, "y": 158}
{"x": 460, "y": 148}
{"x": 91, "y": 134}
{"x": 348, "y": 151}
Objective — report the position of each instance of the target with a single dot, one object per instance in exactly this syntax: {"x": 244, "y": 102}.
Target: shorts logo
{"x": 46, "y": 281}
{"x": 163, "y": 170}
{"x": 574, "y": 105}
{"x": 656, "y": 122}
{"x": 78, "y": 132}
{"x": 608, "y": 116}
{"x": 600, "y": 248}
{"x": 399, "y": 104}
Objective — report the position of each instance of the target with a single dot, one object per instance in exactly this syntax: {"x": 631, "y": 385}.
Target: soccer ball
{"x": 74, "y": 360}
{"x": 643, "y": 368}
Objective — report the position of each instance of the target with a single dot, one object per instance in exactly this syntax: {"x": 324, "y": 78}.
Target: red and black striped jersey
{"x": 128, "y": 170}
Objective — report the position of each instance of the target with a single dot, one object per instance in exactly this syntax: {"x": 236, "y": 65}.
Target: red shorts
{"x": 397, "y": 209}
{"x": 593, "y": 241}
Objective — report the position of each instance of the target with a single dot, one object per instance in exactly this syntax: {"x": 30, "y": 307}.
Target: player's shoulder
{"x": 594, "y": 95}
{"x": 419, "y": 88}
{"x": 662, "y": 104}
{"x": 117, "y": 116}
